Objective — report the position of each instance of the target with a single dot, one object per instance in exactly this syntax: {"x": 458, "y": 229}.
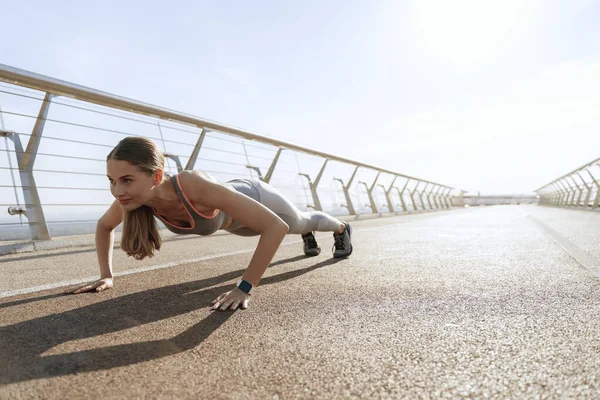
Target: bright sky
{"x": 489, "y": 96}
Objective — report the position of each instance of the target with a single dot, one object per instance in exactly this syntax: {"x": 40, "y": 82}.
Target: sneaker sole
{"x": 343, "y": 255}
{"x": 312, "y": 253}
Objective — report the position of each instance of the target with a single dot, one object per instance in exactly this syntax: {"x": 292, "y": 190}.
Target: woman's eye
{"x": 127, "y": 180}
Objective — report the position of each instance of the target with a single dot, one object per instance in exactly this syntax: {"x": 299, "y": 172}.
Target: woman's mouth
{"x": 124, "y": 201}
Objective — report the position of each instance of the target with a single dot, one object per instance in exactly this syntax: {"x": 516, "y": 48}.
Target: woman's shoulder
{"x": 194, "y": 183}
{"x": 201, "y": 188}
{"x": 196, "y": 176}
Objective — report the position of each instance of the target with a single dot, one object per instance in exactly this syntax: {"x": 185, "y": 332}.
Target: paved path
{"x": 478, "y": 302}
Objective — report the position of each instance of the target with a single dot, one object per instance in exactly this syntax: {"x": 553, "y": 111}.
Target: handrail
{"x": 59, "y": 87}
{"x": 583, "y": 167}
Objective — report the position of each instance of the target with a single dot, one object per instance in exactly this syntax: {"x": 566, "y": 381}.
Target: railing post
{"x": 387, "y": 195}
{"x": 367, "y": 190}
{"x": 580, "y": 188}
{"x": 271, "y": 169}
{"x": 412, "y": 197}
{"x": 310, "y": 186}
{"x": 38, "y": 227}
{"x": 548, "y": 197}
{"x": 260, "y": 177}
{"x": 544, "y": 196}
{"x": 435, "y": 196}
{"x": 586, "y": 202}
{"x": 555, "y": 195}
{"x": 373, "y": 206}
{"x": 564, "y": 194}
{"x": 597, "y": 199}
{"x": 346, "y": 189}
{"x": 176, "y": 159}
{"x": 401, "y": 195}
{"x": 421, "y": 195}
{"x": 313, "y": 186}
{"x": 574, "y": 188}
{"x": 571, "y": 192}
{"x": 194, "y": 156}
{"x": 428, "y": 196}
{"x": 348, "y": 204}
{"x": 588, "y": 194}
{"x": 447, "y": 198}
{"x": 441, "y": 197}
{"x": 371, "y": 199}
{"x": 316, "y": 184}
{"x": 564, "y": 197}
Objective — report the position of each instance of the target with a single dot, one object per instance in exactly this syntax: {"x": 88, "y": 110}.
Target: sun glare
{"x": 463, "y": 32}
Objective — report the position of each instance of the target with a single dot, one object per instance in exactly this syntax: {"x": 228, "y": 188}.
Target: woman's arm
{"x": 105, "y": 237}
{"x": 249, "y": 212}
{"x": 104, "y": 248}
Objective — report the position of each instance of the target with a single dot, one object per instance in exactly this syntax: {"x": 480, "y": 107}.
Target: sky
{"x": 488, "y": 96}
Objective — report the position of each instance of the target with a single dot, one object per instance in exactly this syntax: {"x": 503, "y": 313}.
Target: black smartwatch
{"x": 245, "y": 286}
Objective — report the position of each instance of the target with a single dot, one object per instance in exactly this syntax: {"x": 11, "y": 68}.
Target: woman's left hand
{"x": 231, "y": 300}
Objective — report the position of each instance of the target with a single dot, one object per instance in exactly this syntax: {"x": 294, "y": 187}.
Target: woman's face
{"x": 129, "y": 184}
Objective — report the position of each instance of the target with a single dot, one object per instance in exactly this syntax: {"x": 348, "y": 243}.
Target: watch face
{"x": 245, "y": 286}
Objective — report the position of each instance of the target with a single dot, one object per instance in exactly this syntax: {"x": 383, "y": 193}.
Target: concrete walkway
{"x": 496, "y": 302}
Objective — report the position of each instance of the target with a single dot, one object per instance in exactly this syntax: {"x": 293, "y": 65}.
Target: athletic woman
{"x": 192, "y": 202}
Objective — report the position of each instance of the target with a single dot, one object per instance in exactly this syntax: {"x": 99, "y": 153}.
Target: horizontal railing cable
{"x": 62, "y": 88}
{"x": 153, "y": 124}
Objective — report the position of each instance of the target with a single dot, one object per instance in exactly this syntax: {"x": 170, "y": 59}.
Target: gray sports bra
{"x": 206, "y": 224}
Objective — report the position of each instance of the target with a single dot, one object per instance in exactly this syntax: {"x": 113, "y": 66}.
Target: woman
{"x": 192, "y": 202}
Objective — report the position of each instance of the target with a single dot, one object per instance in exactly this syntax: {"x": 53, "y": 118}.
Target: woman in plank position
{"x": 192, "y": 202}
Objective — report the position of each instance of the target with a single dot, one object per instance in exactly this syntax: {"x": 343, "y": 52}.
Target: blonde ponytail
{"x": 140, "y": 237}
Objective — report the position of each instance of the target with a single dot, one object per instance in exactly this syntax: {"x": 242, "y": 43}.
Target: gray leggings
{"x": 300, "y": 222}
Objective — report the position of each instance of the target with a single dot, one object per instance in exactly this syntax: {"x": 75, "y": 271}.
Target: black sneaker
{"x": 343, "y": 244}
{"x": 311, "y": 248}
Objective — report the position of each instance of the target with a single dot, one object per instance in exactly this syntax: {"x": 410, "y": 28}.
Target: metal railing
{"x": 579, "y": 188}
{"x": 70, "y": 161}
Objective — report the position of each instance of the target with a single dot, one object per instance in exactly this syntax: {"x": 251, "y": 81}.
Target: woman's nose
{"x": 119, "y": 190}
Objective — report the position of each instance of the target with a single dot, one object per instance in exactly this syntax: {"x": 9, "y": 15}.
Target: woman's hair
{"x": 140, "y": 235}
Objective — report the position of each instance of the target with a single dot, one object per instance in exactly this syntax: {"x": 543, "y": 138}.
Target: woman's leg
{"x": 300, "y": 222}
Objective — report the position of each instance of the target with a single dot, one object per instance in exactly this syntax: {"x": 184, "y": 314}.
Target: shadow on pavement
{"x": 22, "y": 344}
{"x": 216, "y": 280}
{"x": 91, "y": 248}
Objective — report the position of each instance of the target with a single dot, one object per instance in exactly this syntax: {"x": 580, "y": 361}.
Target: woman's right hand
{"x": 98, "y": 286}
